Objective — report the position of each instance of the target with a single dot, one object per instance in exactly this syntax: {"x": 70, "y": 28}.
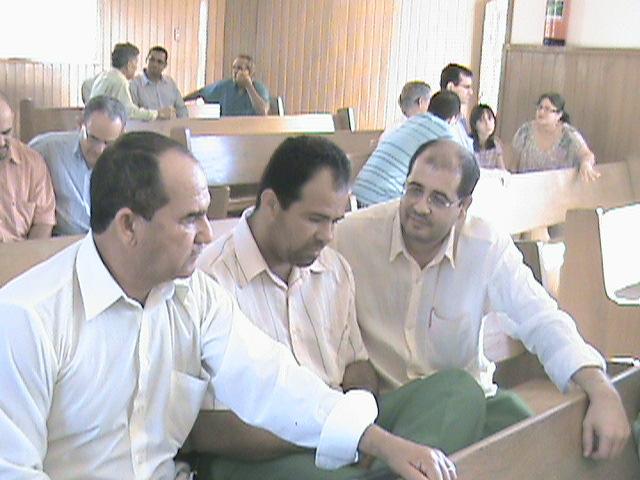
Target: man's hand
{"x": 243, "y": 79}
{"x": 409, "y": 460}
{"x": 166, "y": 113}
{"x": 605, "y": 428}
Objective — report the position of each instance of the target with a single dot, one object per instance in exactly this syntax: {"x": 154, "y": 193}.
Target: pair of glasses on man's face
{"x": 98, "y": 142}
{"x": 434, "y": 198}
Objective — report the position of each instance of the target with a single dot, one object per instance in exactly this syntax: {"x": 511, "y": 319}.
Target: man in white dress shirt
{"x": 107, "y": 349}
{"x": 300, "y": 292}
{"x": 425, "y": 277}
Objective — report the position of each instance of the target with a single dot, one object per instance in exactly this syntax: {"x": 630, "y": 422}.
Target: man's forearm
{"x": 221, "y": 432}
{"x": 258, "y": 103}
{"x": 592, "y": 380}
{"x": 40, "y": 231}
{"x": 360, "y": 375}
{"x": 193, "y": 95}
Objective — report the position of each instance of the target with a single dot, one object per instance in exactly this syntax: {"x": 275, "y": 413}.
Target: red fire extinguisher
{"x": 556, "y": 21}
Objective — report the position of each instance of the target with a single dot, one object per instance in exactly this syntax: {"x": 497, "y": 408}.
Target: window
{"x": 61, "y": 31}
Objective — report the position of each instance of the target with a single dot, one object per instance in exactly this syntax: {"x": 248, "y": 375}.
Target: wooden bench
{"x": 35, "y": 120}
{"x": 541, "y": 199}
{"x": 600, "y": 273}
{"x": 18, "y": 257}
{"x": 239, "y": 160}
{"x": 306, "y": 123}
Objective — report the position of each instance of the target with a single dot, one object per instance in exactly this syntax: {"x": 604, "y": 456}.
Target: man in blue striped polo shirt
{"x": 382, "y": 177}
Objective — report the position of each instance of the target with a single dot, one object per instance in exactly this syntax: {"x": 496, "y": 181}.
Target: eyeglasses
{"x": 98, "y": 142}
{"x": 435, "y": 199}
{"x": 546, "y": 109}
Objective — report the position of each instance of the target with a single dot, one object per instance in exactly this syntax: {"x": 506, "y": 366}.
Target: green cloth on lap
{"x": 447, "y": 410}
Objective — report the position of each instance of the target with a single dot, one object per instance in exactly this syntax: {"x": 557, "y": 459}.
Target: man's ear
{"x": 450, "y": 86}
{"x": 269, "y": 201}
{"x": 127, "y": 226}
{"x": 464, "y": 205}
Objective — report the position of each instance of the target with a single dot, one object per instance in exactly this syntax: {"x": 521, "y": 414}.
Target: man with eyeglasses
{"x": 153, "y": 90}
{"x": 71, "y": 156}
{"x": 238, "y": 95}
{"x": 27, "y": 204}
{"x": 427, "y": 275}
{"x": 459, "y": 80}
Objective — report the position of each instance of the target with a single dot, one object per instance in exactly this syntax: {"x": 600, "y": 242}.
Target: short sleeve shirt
{"x": 26, "y": 196}
{"x": 233, "y": 100}
{"x": 562, "y": 155}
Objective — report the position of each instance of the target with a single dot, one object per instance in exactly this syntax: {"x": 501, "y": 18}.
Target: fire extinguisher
{"x": 556, "y": 21}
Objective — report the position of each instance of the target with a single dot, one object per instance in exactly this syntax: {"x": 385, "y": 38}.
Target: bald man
{"x": 27, "y": 203}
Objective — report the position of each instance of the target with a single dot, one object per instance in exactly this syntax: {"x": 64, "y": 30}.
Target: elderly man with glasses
{"x": 426, "y": 274}
{"x": 71, "y": 156}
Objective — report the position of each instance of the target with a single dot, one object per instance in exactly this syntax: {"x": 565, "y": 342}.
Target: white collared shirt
{"x": 94, "y": 385}
{"x": 313, "y": 314}
{"x": 415, "y": 322}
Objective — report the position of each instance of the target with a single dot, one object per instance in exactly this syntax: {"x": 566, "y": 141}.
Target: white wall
{"x": 592, "y": 23}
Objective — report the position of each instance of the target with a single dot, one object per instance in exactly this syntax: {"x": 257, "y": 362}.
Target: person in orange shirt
{"x": 27, "y": 202}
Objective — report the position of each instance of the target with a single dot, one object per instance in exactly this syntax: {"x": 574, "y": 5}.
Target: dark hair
{"x": 160, "y": 49}
{"x": 296, "y": 161}
{"x": 452, "y": 73}
{"x": 127, "y": 174}
{"x": 110, "y": 106}
{"x": 122, "y": 53}
{"x": 444, "y": 104}
{"x": 411, "y": 93}
{"x": 476, "y": 114}
{"x": 557, "y": 101}
{"x": 466, "y": 165}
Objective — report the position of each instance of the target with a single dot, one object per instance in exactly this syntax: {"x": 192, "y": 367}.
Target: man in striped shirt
{"x": 382, "y": 177}
{"x": 301, "y": 292}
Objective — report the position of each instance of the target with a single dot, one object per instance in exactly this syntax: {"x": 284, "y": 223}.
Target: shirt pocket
{"x": 22, "y": 212}
{"x": 187, "y": 394}
{"x": 451, "y": 341}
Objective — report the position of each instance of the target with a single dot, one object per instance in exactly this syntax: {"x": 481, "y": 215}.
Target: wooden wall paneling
{"x": 215, "y": 40}
{"x": 599, "y": 86}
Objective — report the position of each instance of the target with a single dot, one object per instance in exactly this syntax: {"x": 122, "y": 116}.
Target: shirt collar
{"x": 13, "y": 154}
{"x": 118, "y": 72}
{"x": 250, "y": 258}
{"x": 146, "y": 80}
{"x": 77, "y": 151}
{"x": 447, "y": 250}
{"x": 99, "y": 290}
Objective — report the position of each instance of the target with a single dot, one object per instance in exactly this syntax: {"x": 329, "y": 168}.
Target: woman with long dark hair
{"x": 486, "y": 146}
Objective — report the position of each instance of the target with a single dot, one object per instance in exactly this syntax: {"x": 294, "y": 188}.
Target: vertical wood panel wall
{"x": 600, "y": 87}
{"x": 142, "y": 22}
{"x": 319, "y": 55}
{"x": 429, "y": 35}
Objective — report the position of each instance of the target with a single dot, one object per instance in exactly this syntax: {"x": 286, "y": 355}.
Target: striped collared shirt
{"x": 313, "y": 315}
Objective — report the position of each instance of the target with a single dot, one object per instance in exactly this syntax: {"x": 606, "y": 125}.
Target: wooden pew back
{"x": 541, "y": 199}
{"x": 239, "y": 160}
{"x": 18, "y": 257}
{"x": 34, "y": 120}
{"x": 307, "y": 123}
{"x": 601, "y": 258}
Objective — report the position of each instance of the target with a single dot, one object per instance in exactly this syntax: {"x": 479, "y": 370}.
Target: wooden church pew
{"x": 18, "y": 257}
{"x": 273, "y": 124}
{"x": 600, "y": 271}
{"x": 239, "y": 160}
{"x": 540, "y": 199}
{"x": 35, "y": 120}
